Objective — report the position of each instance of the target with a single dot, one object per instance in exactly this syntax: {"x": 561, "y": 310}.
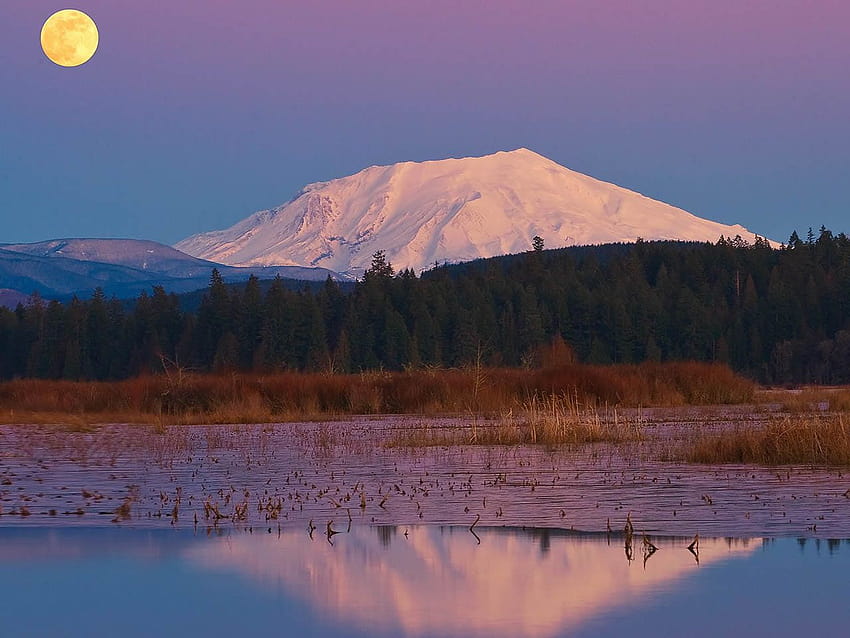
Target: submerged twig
{"x": 472, "y": 528}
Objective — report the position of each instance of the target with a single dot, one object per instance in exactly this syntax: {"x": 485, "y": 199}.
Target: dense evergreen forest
{"x": 778, "y": 315}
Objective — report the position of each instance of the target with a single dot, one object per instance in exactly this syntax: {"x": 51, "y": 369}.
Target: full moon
{"x": 69, "y": 37}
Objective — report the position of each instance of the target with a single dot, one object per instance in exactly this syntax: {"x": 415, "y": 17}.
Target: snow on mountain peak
{"x": 422, "y": 213}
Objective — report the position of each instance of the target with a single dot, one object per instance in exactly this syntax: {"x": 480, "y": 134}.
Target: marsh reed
{"x": 803, "y": 440}
{"x": 289, "y": 396}
{"x": 808, "y": 399}
{"x": 544, "y": 420}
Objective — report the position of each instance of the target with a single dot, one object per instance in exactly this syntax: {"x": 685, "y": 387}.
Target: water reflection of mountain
{"x": 439, "y": 580}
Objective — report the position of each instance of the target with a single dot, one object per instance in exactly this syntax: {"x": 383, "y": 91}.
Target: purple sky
{"x": 195, "y": 113}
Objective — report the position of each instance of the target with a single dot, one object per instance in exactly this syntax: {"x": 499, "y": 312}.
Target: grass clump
{"x": 547, "y": 420}
{"x": 790, "y": 441}
{"x": 811, "y": 399}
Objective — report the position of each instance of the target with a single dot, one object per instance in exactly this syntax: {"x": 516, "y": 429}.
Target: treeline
{"x": 779, "y": 315}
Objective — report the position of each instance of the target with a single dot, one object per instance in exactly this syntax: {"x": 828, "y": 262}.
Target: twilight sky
{"x": 195, "y": 113}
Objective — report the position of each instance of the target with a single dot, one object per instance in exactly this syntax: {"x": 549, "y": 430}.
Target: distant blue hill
{"x": 57, "y": 269}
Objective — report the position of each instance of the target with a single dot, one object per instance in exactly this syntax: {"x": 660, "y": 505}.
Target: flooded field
{"x": 358, "y": 528}
{"x": 312, "y": 475}
{"x": 414, "y": 581}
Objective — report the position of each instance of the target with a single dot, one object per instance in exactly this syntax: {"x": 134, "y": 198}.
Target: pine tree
{"x": 97, "y": 345}
{"x": 249, "y": 327}
{"x": 380, "y": 270}
{"x": 214, "y": 320}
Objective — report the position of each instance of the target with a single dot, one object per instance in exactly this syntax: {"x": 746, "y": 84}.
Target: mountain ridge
{"x": 60, "y": 268}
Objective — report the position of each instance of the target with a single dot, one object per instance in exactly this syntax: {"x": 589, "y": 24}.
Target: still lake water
{"x": 431, "y": 581}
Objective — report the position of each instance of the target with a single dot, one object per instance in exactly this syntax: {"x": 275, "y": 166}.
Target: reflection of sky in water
{"x": 434, "y": 582}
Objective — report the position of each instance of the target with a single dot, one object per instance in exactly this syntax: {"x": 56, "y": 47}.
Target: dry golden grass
{"x": 253, "y": 398}
{"x": 655, "y": 384}
{"x": 550, "y": 421}
{"x": 793, "y": 440}
{"x": 809, "y": 399}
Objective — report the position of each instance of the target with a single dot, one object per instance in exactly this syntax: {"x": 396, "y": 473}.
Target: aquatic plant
{"x": 545, "y": 420}
{"x": 791, "y": 440}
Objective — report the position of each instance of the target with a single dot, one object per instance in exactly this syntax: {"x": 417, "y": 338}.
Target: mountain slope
{"x": 122, "y": 267}
{"x": 448, "y": 210}
{"x": 154, "y": 258}
{"x": 133, "y": 253}
{"x": 11, "y": 298}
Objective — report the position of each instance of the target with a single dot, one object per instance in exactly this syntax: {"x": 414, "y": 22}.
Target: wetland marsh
{"x": 361, "y": 470}
{"x": 421, "y": 526}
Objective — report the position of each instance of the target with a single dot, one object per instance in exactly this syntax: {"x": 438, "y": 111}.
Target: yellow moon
{"x": 69, "y": 37}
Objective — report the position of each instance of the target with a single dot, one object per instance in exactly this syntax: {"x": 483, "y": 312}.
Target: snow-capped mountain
{"x": 448, "y": 211}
